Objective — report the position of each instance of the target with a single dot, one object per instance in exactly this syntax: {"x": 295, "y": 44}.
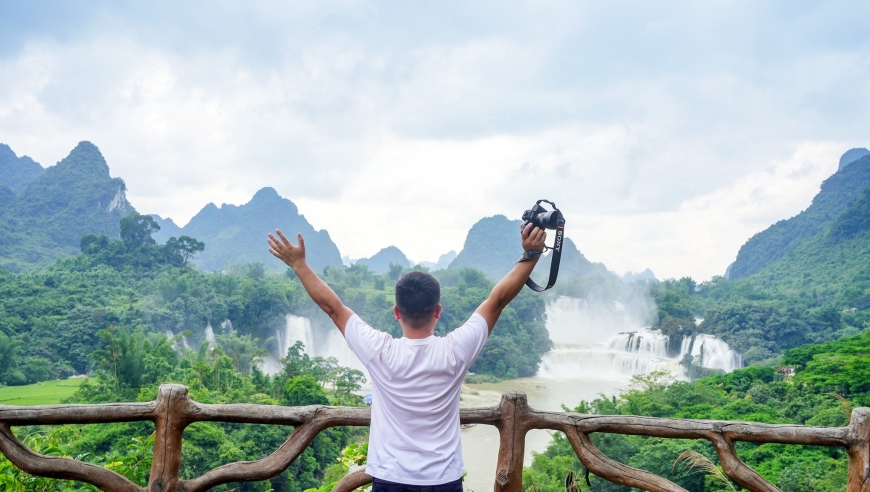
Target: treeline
{"x": 758, "y": 320}
{"x": 131, "y": 367}
{"x": 51, "y": 319}
{"x": 827, "y": 380}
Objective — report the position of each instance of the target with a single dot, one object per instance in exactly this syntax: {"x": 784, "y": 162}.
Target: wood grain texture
{"x": 353, "y": 481}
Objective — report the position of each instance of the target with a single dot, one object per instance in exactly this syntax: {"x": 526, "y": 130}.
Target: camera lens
{"x": 548, "y": 220}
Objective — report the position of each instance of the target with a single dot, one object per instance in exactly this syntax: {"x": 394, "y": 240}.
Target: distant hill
{"x": 17, "y": 172}
{"x": 493, "y": 247}
{"x": 380, "y": 262}
{"x": 442, "y": 263}
{"x": 772, "y": 244}
{"x": 48, "y": 217}
{"x": 238, "y": 233}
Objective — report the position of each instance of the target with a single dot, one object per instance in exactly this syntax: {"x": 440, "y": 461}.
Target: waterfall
{"x": 604, "y": 339}
{"x": 209, "y": 336}
{"x": 171, "y": 335}
{"x": 711, "y": 352}
{"x": 319, "y": 341}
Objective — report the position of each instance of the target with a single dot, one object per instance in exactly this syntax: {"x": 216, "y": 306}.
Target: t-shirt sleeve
{"x": 363, "y": 340}
{"x": 468, "y": 340}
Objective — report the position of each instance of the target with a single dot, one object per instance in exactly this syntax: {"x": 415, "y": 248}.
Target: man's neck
{"x": 418, "y": 333}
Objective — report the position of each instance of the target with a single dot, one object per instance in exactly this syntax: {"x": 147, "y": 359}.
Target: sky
{"x": 667, "y": 132}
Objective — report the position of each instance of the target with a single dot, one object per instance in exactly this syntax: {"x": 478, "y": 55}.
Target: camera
{"x": 538, "y": 216}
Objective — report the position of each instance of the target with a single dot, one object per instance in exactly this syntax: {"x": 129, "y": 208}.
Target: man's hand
{"x": 533, "y": 238}
{"x": 320, "y": 292}
{"x": 293, "y": 256}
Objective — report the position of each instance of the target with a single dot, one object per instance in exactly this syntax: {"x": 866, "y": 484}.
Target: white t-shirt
{"x": 414, "y": 437}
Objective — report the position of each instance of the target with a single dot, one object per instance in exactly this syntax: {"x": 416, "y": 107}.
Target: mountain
{"x": 238, "y": 233}
{"x": 851, "y": 156}
{"x": 644, "y": 276}
{"x": 380, "y": 262}
{"x": 772, "y": 244}
{"x": 493, "y": 247}
{"x": 168, "y": 229}
{"x": 46, "y": 220}
{"x": 442, "y": 263}
{"x": 832, "y": 265}
{"x": 17, "y": 172}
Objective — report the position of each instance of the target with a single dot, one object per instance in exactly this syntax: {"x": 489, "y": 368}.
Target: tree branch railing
{"x": 173, "y": 411}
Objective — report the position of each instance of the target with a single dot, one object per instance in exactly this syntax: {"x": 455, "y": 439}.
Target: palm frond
{"x": 844, "y": 403}
{"x": 694, "y": 459}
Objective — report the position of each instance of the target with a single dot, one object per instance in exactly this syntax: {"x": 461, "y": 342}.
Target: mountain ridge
{"x": 238, "y": 232}
{"x": 17, "y": 172}
{"x": 768, "y": 246}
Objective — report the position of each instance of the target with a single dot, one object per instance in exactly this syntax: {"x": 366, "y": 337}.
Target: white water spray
{"x": 319, "y": 341}
{"x": 603, "y": 339}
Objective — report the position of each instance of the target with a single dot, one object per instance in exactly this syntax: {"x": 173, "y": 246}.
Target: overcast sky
{"x": 668, "y": 132}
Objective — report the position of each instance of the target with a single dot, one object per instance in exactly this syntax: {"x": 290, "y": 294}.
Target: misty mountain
{"x": 380, "y": 262}
{"x": 492, "y": 246}
{"x": 644, "y": 276}
{"x": 46, "y": 220}
{"x": 238, "y": 233}
{"x": 17, "y": 172}
{"x": 442, "y": 263}
{"x": 772, "y": 244}
{"x": 851, "y": 156}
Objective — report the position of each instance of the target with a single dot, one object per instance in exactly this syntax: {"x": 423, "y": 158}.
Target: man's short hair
{"x": 417, "y": 297}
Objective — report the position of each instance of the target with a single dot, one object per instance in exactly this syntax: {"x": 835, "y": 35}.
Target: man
{"x": 414, "y": 441}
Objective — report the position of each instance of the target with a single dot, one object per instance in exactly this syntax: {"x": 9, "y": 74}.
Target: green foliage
{"x": 756, "y": 394}
{"x": 44, "y": 393}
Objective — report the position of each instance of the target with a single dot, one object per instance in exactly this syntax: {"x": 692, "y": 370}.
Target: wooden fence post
{"x": 169, "y": 423}
{"x": 859, "y": 451}
{"x": 512, "y": 430}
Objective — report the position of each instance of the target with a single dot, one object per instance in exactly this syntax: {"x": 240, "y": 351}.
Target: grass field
{"x": 44, "y": 393}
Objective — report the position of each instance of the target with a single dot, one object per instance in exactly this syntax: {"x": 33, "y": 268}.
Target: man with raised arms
{"x": 414, "y": 442}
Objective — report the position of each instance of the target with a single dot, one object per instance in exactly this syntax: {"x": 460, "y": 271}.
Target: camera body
{"x": 538, "y": 216}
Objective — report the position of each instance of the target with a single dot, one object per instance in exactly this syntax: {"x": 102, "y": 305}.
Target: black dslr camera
{"x": 543, "y": 218}
{"x": 539, "y": 216}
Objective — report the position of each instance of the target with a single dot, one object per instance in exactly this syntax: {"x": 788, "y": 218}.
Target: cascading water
{"x": 711, "y": 352}
{"x": 319, "y": 341}
{"x": 209, "y": 336}
{"x": 608, "y": 341}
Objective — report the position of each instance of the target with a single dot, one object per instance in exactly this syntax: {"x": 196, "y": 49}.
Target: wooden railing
{"x": 173, "y": 410}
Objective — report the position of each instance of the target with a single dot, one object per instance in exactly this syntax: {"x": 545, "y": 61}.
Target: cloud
{"x": 668, "y": 133}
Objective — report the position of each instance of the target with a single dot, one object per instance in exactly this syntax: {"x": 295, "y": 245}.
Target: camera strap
{"x": 557, "y": 256}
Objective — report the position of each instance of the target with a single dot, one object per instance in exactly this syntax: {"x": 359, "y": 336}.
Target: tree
{"x": 136, "y": 230}
{"x": 302, "y": 391}
{"x": 395, "y": 271}
{"x": 8, "y": 359}
{"x": 181, "y": 250}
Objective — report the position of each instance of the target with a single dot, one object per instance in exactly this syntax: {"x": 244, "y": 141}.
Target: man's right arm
{"x": 320, "y": 292}
{"x": 508, "y": 287}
